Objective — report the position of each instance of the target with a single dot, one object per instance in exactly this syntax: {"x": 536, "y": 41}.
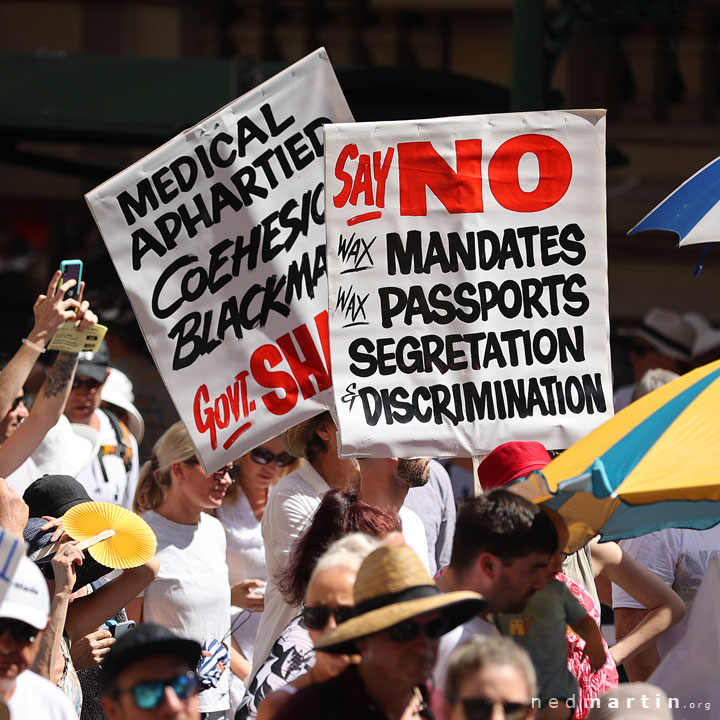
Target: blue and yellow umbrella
{"x": 655, "y": 465}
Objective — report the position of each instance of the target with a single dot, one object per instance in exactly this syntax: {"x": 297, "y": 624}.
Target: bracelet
{"x": 33, "y": 345}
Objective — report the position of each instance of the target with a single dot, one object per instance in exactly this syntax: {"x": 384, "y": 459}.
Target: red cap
{"x": 510, "y": 461}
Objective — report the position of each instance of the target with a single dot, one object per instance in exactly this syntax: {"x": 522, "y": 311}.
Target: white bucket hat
{"x": 66, "y": 449}
{"x": 118, "y": 390}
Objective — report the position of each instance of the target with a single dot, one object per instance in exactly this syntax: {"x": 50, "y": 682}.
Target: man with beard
{"x": 501, "y": 549}
{"x": 384, "y": 482}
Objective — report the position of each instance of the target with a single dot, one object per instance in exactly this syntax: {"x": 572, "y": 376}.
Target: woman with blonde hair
{"x": 191, "y": 594}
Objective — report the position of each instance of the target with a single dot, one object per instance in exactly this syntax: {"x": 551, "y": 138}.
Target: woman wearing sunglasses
{"x": 191, "y": 594}
{"x": 490, "y": 679}
{"x": 241, "y": 513}
{"x": 339, "y": 518}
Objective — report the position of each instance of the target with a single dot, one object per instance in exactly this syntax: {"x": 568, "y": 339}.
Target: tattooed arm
{"x": 47, "y": 408}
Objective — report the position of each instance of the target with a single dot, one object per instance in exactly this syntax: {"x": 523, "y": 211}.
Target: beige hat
{"x": 667, "y": 331}
{"x": 66, "y": 449}
{"x": 630, "y": 701}
{"x": 393, "y": 585}
{"x": 296, "y": 438}
{"x": 118, "y": 390}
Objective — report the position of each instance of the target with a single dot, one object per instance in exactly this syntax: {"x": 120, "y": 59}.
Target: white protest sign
{"x": 467, "y": 278}
{"x": 218, "y": 237}
{"x": 11, "y": 550}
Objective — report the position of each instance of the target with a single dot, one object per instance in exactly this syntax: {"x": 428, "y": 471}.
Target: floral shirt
{"x": 591, "y": 684}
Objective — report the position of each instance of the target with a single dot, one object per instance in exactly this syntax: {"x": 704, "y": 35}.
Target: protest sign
{"x": 219, "y": 239}
{"x": 467, "y": 282}
{"x": 11, "y": 550}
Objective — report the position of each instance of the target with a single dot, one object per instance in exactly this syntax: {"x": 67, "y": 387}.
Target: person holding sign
{"x": 290, "y": 507}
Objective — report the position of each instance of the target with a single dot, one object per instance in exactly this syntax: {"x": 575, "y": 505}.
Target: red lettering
{"x": 381, "y": 173}
{"x": 311, "y": 366}
{"x": 363, "y": 182}
{"x": 201, "y": 423}
{"x": 554, "y": 169}
{"x": 348, "y": 152}
{"x": 421, "y": 166}
{"x": 262, "y": 360}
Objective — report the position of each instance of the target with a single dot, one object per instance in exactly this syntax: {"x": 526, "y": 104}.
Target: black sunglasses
{"x": 316, "y": 617}
{"x": 20, "y": 631}
{"x": 408, "y": 630}
{"x": 479, "y": 708}
{"x": 261, "y": 456}
{"x": 151, "y": 694}
{"x": 218, "y": 474}
{"x": 88, "y": 383}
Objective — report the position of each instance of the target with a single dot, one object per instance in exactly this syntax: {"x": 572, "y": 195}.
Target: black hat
{"x": 37, "y": 539}
{"x": 147, "y": 640}
{"x": 54, "y": 495}
{"x": 94, "y": 365}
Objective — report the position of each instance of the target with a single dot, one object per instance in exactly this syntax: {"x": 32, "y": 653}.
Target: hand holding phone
{"x": 71, "y": 270}
{"x": 118, "y": 629}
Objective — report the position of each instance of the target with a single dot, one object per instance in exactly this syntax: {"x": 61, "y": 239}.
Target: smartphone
{"x": 117, "y": 630}
{"x": 71, "y": 270}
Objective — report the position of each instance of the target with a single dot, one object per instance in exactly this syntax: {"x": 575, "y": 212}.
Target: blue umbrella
{"x": 692, "y": 211}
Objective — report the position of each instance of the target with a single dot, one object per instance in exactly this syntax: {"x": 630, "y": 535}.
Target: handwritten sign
{"x": 467, "y": 282}
{"x": 219, "y": 239}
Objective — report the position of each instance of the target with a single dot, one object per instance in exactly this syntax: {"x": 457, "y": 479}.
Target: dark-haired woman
{"x": 340, "y": 513}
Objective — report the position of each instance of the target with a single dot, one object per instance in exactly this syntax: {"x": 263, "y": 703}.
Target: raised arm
{"x": 48, "y": 405}
{"x": 50, "y": 312}
{"x": 664, "y": 607}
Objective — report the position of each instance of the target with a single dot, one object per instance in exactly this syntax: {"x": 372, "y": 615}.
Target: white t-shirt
{"x": 121, "y": 485}
{"x": 414, "y": 534}
{"x": 25, "y": 475}
{"x": 290, "y": 508}
{"x": 456, "y": 637}
{"x": 36, "y": 698}
{"x": 680, "y": 558}
{"x": 191, "y": 594}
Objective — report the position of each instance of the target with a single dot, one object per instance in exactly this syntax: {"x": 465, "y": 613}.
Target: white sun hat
{"x": 118, "y": 390}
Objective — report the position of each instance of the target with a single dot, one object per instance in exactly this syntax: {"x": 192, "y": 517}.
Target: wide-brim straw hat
{"x": 667, "y": 331}
{"x": 393, "y": 585}
{"x": 297, "y": 437}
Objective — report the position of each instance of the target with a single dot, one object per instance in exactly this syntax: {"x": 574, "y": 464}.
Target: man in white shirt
{"x": 385, "y": 482}
{"x": 680, "y": 558}
{"x": 23, "y": 617}
{"x": 501, "y": 549}
{"x": 112, "y": 475}
{"x": 289, "y": 510}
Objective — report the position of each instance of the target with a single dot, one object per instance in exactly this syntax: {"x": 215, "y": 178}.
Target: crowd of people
{"x": 294, "y": 583}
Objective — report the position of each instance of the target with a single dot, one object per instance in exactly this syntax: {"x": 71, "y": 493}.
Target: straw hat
{"x": 297, "y": 437}
{"x": 391, "y": 586}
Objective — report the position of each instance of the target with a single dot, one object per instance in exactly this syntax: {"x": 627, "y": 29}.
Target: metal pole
{"x": 528, "y": 81}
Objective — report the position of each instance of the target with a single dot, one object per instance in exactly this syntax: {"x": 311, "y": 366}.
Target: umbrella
{"x": 692, "y": 210}
{"x": 654, "y": 465}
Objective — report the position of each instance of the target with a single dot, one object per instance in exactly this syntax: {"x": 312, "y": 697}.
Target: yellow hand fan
{"x": 132, "y": 544}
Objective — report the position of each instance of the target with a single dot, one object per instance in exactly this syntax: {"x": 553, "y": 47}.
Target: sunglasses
{"x": 261, "y": 456}
{"x": 409, "y": 630}
{"x": 21, "y": 632}
{"x": 479, "y": 708}
{"x": 218, "y": 474}
{"x": 151, "y": 694}
{"x": 87, "y": 383}
{"x": 316, "y": 617}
